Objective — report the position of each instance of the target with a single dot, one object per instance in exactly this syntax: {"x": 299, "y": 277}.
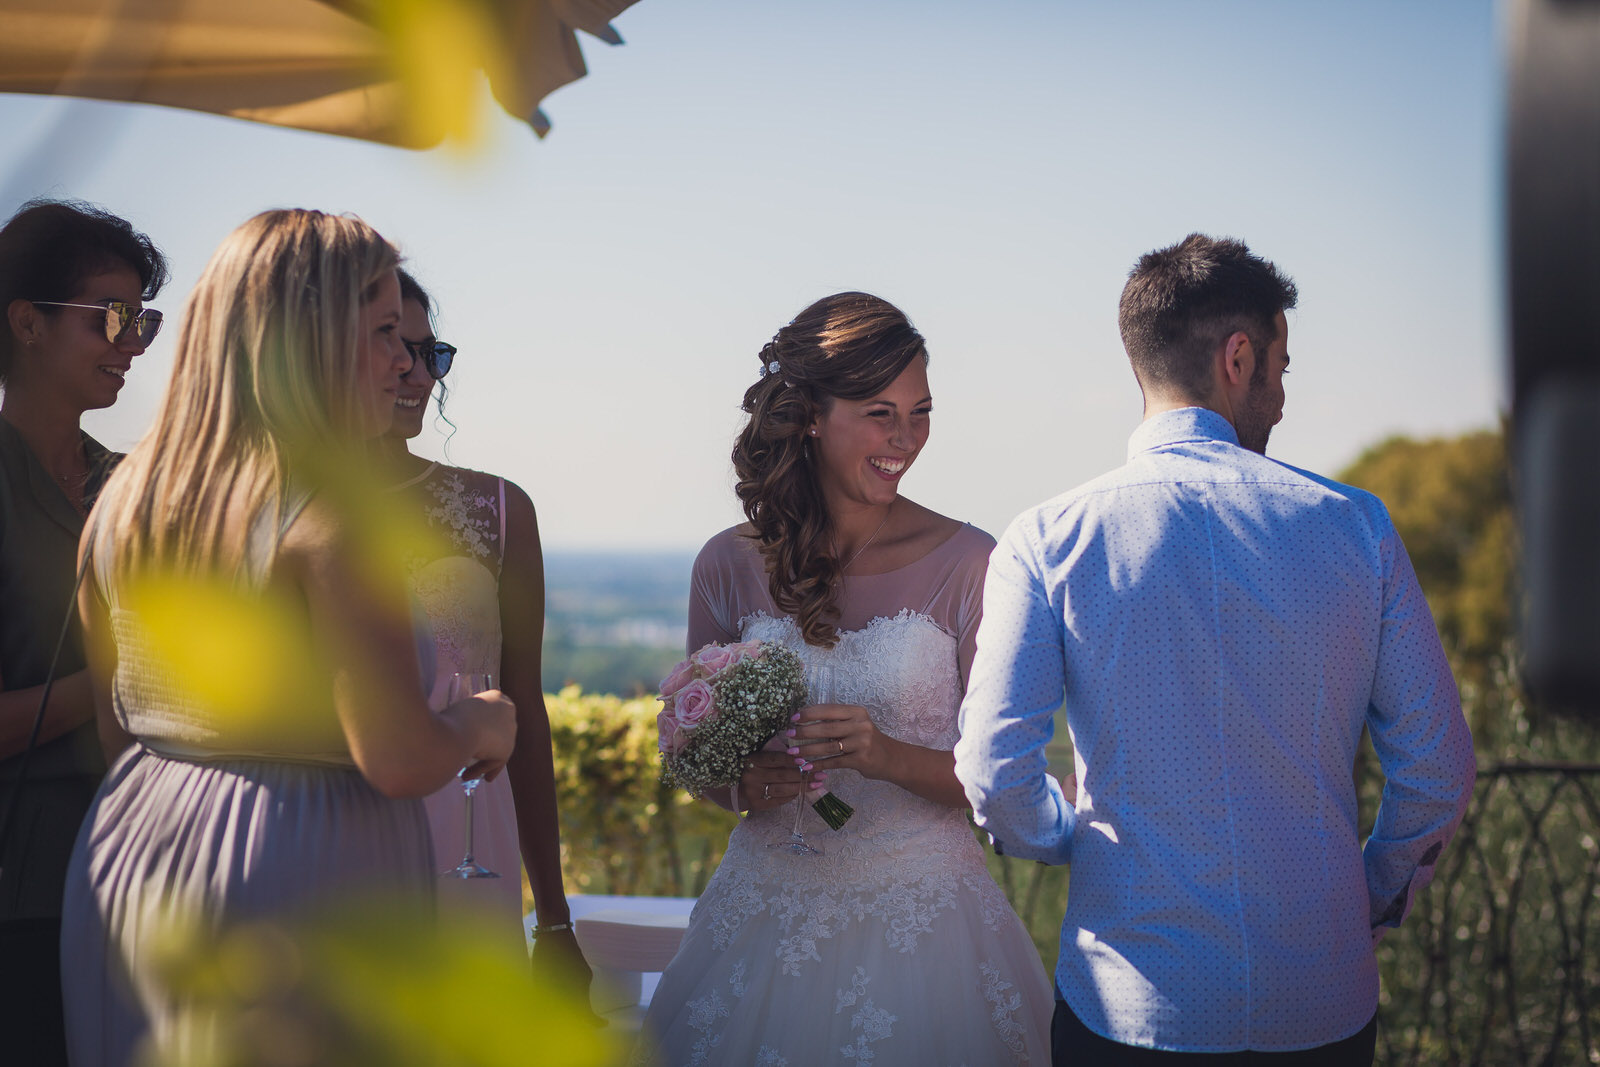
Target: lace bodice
{"x": 460, "y": 592}
{"x": 903, "y": 671}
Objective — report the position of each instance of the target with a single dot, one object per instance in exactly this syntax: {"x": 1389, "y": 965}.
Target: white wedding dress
{"x": 894, "y": 946}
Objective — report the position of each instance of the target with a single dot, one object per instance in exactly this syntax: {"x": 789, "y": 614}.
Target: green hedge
{"x": 622, "y": 830}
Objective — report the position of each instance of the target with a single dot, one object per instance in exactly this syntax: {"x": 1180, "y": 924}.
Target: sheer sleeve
{"x": 969, "y": 614}
{"x": 727, "y": 584}
{"x": 966, "y": 590}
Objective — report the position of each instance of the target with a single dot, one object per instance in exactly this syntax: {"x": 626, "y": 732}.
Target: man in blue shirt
{"x": 1220, "y": 627}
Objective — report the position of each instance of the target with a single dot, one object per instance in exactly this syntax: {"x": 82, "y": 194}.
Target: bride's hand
{"x": 770, "y": 779}
{"x": 826, "y": 736}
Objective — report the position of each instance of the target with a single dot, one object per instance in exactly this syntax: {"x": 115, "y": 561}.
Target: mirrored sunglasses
{"x": 121, "y": 317}
{"x": 435, "y": 355}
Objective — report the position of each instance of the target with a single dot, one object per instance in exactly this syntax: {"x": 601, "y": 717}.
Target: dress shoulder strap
{"x": 268, "y": 531}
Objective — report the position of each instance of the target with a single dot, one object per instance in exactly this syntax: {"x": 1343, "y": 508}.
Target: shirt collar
{"x": 1182, "y": 426}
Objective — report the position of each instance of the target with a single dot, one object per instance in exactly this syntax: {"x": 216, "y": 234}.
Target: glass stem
{"x": 799, "y": 812}
{"x": 470, "y": 858}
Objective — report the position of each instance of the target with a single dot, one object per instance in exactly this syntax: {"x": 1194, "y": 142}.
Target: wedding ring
{"x": 840, "y": 742}
{"x": 766, "y": 791}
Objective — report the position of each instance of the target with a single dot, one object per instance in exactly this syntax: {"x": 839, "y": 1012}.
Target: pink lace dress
{"x": 459, "y": 591}
{"x": 894, "y": 946}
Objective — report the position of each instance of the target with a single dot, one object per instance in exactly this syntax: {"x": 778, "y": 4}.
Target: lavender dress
{"x": 210, "y": 822}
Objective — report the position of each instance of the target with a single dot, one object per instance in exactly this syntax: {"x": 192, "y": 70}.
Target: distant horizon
{"x": 691, "y": 550}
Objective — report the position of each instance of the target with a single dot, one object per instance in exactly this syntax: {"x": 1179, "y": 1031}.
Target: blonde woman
{"x": 288, "y": 361}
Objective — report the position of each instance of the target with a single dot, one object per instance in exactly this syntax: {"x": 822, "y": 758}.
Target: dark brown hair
{"x": 848, "y": 346}
{"x": 1181, "y": 302}
{"x": 411, "y": 289}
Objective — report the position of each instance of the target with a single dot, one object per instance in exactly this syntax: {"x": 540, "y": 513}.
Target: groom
{"x": 1220, "y": 626}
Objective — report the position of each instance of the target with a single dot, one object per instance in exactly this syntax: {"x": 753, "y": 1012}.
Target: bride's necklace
{"x": 868, "y": 541}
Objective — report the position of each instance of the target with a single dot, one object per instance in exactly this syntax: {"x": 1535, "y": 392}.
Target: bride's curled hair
{"x": 846, "y": 346}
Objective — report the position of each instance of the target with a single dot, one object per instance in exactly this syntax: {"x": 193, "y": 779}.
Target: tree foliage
{"x": 1450, "y": 499}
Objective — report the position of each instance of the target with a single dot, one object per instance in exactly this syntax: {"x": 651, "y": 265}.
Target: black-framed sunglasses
{"x": 121, "y": 317}
{"x": 435, "y": 355}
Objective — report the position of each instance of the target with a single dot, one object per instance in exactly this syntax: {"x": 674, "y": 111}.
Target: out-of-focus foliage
{"x": 1489, "y": 966}
{"x": 622, "y": 830}
{"x": 370, "y": 984}
{"x": 252, "y": 663}
{"x": 439, "y": 51}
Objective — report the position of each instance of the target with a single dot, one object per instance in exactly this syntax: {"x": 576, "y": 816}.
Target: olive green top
{"x": 39, "y": 531}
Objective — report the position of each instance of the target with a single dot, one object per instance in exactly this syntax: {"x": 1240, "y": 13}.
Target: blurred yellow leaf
{"x": 370, "y": 982}
{"x": 241, "y": 654}
{"x": 439, "y": 50}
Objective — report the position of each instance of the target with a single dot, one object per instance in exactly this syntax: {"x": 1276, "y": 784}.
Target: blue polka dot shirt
{"x": 1220, "y": 626}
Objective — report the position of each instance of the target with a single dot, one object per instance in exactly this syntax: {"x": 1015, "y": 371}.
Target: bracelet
{"x": 552, "y": 928}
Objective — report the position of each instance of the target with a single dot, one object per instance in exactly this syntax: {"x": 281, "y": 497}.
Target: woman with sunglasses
{"x": 482, "y": 587}
{"x": 73, "y": 281}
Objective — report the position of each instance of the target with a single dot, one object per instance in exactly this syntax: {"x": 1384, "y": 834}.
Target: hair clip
{"x": 770, "y": 368}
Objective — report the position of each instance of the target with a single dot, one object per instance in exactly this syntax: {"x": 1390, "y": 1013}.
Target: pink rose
{"x": 670, "y": 737}
{"x": 711, "y": 660}
{"x": 694, "y": 704}
{"x": 745, "y": 650}
{"x": 681, "y": 676}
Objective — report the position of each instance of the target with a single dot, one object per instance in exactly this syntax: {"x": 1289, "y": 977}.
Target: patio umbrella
{"x": 359, "y": 68}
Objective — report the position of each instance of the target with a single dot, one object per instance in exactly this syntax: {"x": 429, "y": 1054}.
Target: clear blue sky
{"x": 992, "y": 168}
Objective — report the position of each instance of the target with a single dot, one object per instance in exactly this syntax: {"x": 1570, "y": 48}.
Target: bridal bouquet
{"x": 720, "y": 706}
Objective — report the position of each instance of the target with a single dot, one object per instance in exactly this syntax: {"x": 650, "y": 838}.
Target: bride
{"x": 892, "y": 945}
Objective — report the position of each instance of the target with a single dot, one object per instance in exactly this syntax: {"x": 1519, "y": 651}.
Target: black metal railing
{"x": 1499, "y": 962}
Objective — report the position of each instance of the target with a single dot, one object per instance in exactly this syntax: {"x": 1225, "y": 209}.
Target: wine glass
{"x": 821, "y": 688}
{"x": 463, "y": 685}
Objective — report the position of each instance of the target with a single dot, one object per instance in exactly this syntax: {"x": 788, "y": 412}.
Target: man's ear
{"x": 1238, "y": 359}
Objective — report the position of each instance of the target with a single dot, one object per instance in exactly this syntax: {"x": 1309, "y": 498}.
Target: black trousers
{"x": 31, "y": 1030}
{"x": 1073, "y": 1044}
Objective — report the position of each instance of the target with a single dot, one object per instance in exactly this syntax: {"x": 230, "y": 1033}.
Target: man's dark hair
{"x": 1180, "y": 303}
{"x": 51, "y": 247}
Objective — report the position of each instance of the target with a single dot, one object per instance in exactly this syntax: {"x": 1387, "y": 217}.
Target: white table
{"x": 614, "y": 968}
